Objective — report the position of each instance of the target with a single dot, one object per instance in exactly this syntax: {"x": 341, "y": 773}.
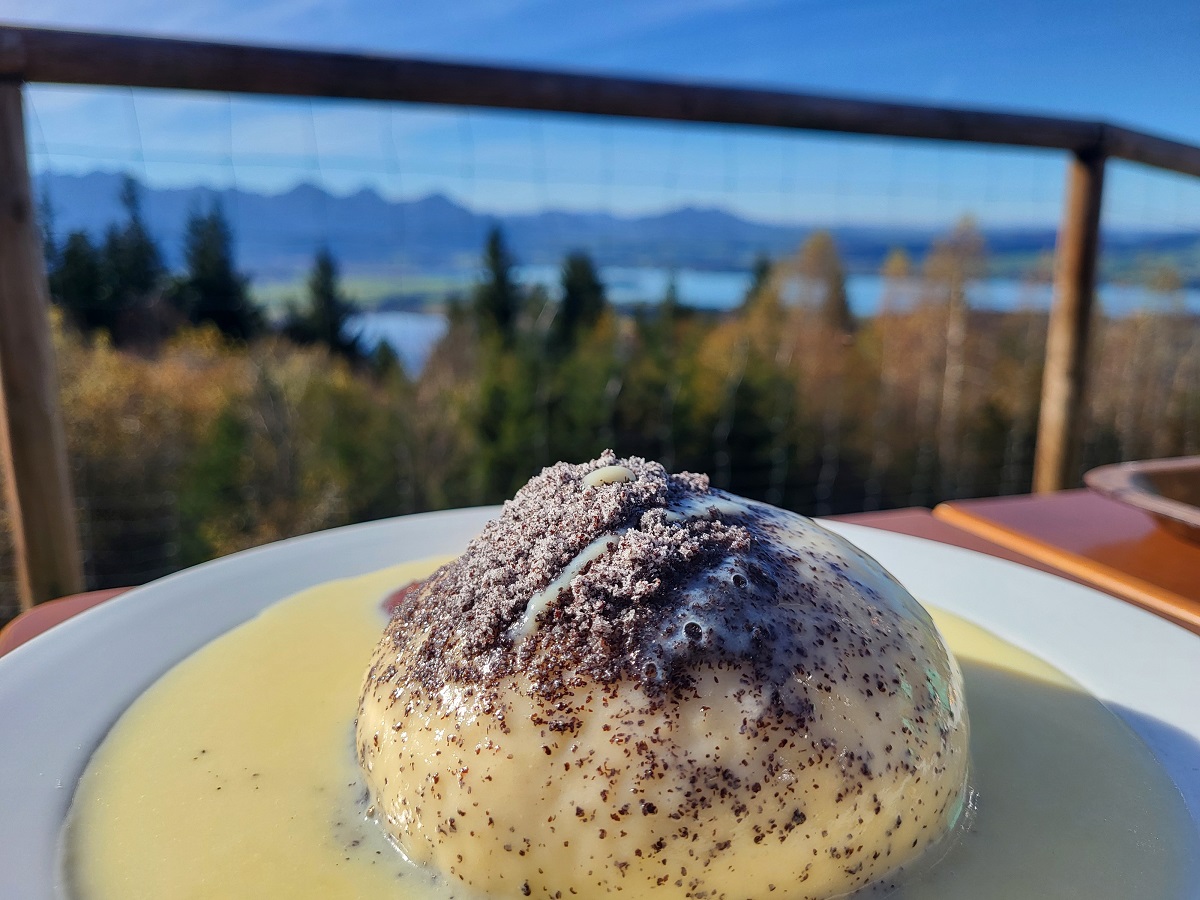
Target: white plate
{"x": 61, "y": 692}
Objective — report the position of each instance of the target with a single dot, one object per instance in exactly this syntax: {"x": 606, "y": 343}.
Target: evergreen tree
{"x": 669, "y": 307}
{"x": 327, "y": 307}
{"x": 212, "y": 290}
{"x": 583, "y": 300}
{"x": 77, "y": 282}
{"x": 384, "y": 363}
{"x": 659, "y": 327}
{"x": 760, "y": 274}
{"x": 131, "y": 274}
{"x": 133, "y": 257}
{"x": 115, "y": 286}
{"x": 324, "y": 319}
{"x": 497, "y": 298}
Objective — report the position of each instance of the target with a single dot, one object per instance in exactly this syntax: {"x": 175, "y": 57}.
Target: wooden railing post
{"x": 32, "y": 439}
{"x": 1064, "y": 378}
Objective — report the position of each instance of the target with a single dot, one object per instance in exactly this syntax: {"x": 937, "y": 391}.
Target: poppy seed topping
{"x": 633, "y": 681}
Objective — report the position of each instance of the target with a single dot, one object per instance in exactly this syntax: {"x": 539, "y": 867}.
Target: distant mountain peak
{"x": 439, "y": 198}
{"x": 276, "y": 234}
{"x": 305, "y": 189}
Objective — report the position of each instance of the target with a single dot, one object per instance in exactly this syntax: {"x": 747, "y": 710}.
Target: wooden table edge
{"x": 45, "y": 616}
{"x": 1135, "y": 590}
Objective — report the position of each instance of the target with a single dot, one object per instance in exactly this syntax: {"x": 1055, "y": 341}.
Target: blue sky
{"x": 1133, "y": 63}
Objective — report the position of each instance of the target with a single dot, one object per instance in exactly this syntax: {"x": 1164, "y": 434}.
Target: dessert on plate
{"x": 631, "y": 681}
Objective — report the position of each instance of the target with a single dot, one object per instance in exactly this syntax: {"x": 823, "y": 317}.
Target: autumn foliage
{"x": 205, "y": 445}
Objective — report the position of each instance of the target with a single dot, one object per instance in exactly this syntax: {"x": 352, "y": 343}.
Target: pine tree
{"x": 131, "y": 274}
{"x": 497, "y": 298}
{"x": 583, "y": 300}
{"x": 132, "y": 256}
{"x": 327, "y": 308}
{"x": 115, "y": 286}
{"x": 323, "y": 321}
{"x": 77, "y": 282}
{"x": 212, "y": 290}
{"x": 760, "y": 274}
{"x": 669, "y": 307}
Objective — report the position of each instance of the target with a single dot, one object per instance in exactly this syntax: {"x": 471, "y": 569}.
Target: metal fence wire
{"x": 890, "y": 354}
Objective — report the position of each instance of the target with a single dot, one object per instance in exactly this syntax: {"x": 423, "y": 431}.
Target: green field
{"x": 416, "y": 292}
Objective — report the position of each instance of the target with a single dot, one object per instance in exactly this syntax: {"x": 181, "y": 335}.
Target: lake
{"x": 412, "y": 335}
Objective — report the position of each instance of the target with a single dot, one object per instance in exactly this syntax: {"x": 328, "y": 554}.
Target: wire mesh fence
{"x": 1146, "y": 364}
{"x": 889, "y": 354}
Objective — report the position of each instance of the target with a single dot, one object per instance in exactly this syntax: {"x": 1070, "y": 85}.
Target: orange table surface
{"x": 913, "y": 521}
{"x": 1101, "y": 542}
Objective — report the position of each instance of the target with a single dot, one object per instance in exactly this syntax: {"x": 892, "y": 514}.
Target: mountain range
{"x": 276, "y": 235}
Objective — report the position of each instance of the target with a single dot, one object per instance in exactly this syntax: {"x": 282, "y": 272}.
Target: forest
{"x": 199, "y": 426}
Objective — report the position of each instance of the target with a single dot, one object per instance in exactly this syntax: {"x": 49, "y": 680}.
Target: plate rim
{"x": 1040, "y": 612}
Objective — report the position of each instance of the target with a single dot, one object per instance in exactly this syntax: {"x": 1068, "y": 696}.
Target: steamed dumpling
{"x": 632, "y": 682}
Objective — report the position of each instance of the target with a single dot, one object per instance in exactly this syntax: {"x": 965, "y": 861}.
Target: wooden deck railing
{"x": 31, "y": 433}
